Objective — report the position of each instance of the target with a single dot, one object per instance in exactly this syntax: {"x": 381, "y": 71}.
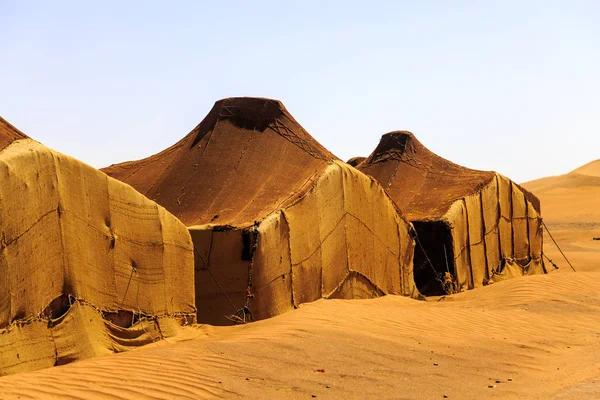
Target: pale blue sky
{"x": 511, "y": 86}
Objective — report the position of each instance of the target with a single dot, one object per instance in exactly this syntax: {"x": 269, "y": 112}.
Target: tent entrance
{"x": 436, "y": 240}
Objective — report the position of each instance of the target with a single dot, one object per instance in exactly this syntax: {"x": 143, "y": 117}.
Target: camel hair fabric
{"x": 88, "y": 266}
{"x": 274, "y": 215}
{"x": 478, "y": 225}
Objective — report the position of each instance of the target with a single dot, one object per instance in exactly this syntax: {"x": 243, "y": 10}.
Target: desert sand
{"x": 535, "y": 337}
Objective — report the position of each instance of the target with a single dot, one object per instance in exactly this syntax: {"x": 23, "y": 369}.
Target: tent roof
{"x": 247, "y": 158}
{"x": 9, "y": 133}
{"x": 423, "y": 184}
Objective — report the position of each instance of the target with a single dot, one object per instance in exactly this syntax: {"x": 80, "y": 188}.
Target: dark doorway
{"x": 437, "y": 246}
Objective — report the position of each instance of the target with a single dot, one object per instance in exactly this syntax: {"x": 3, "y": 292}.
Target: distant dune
{"x": 587, "y": 176}
{"x": 591, "y": 168}
{"x": 570, "y": 200}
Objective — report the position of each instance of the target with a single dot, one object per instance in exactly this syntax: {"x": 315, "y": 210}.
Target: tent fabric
{"x": 269, "y": 208}
{"x": 9, "y": 134}
{"x": 88, "y": 265}
{"x": 495, "y": 225}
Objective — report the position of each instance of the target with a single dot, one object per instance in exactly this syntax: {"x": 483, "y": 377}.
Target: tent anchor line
{"x": 557, "y": 246}
{"x": 240, "y": 314}
{"x": 550, "y": 261}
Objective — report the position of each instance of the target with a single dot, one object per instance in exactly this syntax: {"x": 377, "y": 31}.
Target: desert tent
{"x": 477, "y": 225}
{"x": 273, "y": 214}
{"x": 88, "y": 266}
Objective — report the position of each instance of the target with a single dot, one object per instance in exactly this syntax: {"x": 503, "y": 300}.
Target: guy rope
{"x": 558, "y": 247}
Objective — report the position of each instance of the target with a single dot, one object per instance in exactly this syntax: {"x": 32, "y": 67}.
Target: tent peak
{"x": 252, "y": 113}
{"x": 398, "y": 133}
{"x": 250, "y": 109}
{"x": 395, "y": 141}
{"x": 243, "y": 99}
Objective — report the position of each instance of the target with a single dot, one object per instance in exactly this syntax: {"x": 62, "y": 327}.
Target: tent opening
{"x": 437, "y": 246}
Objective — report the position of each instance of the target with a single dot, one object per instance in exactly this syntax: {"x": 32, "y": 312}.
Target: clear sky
{"x": 511, "y": 86}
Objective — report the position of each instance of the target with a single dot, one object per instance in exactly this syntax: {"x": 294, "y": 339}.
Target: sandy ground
{"x": 530, "y": 338}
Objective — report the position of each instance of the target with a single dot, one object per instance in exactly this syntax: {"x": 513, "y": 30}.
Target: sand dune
{"x": 592, "y": 168}
{"x": 586, "y": 176}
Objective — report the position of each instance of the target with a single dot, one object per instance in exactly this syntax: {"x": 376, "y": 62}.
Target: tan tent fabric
{"x": 88, "y": 266}
{"x": 270, "y": 208}
{"x": 478, "y": 225}
{"x": 9, "y": 134}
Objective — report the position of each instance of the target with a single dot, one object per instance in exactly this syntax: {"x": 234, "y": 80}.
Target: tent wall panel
{"x": 535, "y": 232}
{"x": 175, "y": 255}
{"x": 26, "y": 347}
{"x": 476, "y": 241}
{"x": 334, "y": 253}
{"x": 520, "y": 225}
{"x": 505, "y": 223}
{"x": 457, "y": 220}
{"x": 92, "y": 342}
{"x": 272, "y": 275}
{"x": 30, "y": 289}
{"x": 491, "y": 217}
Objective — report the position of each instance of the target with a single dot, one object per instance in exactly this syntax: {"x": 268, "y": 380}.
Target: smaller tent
{"x": 477, "y": 225}
{"x": 88, "y": 266}
{"x": 274, "y": 215}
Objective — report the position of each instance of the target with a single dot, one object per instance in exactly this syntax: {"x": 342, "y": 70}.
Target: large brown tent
{"x": 271, "y": 210}
{"x": 88, "y": 266}
{"x": 477, "y": 225}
